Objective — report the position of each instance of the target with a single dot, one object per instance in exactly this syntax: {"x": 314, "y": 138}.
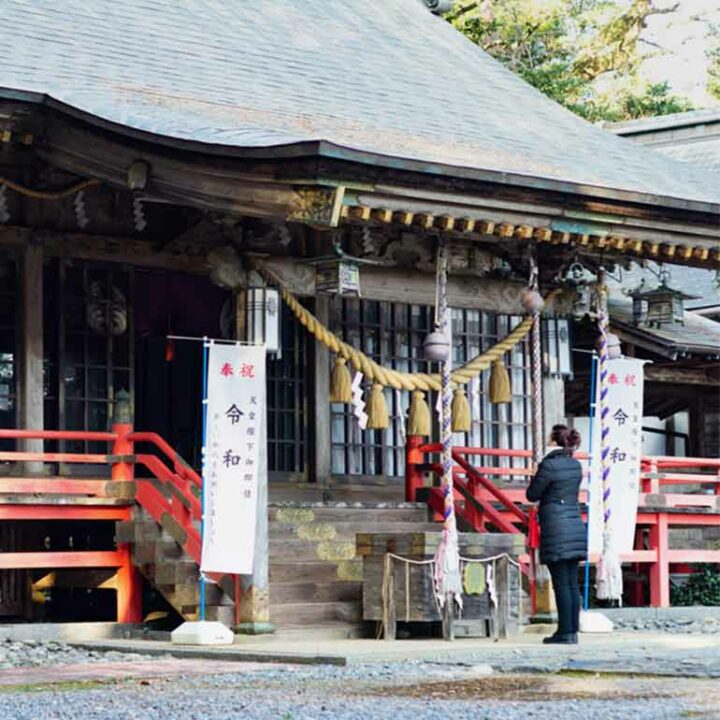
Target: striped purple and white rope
{"x": 603, "y": 326}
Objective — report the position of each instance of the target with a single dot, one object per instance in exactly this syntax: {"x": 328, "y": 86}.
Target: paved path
{"x": 644, "y": 653}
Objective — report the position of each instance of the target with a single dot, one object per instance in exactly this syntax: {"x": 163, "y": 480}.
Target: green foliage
{"x": 568, "y": 48}
{"x": 702, "y": 588}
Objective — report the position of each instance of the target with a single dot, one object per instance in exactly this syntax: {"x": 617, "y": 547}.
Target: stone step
{"x": 318, "y": 613}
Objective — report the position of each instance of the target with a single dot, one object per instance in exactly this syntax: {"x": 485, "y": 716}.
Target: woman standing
{"x": 563, "y": 537}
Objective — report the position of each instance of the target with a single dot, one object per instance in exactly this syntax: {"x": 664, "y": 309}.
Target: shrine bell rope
{"x": 382, "y": 377}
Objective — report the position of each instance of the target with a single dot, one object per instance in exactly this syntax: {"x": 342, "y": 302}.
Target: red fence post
{"x": 660, "y": 569}
{"x": 128, "y": 586}
{"x": 128, "y": 589}
{"x": 122, "y": 471}
{"x": 413, "y": 475}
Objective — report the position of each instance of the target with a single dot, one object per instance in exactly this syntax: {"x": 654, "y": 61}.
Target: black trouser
{"x": 564, "y": 574}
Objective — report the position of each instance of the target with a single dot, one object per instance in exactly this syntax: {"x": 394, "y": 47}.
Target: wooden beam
{"x": 360, "y": 212}
{"x": 60, "y": 559}
{"x": 101, "y": 248}
{"x": 403, "y": 218}
{"x": 424, "y": 220}
{"x": 98, "y": 578}
{"x": 65, "y": 486}
{"x": 48, "y": 511}
{"x": 465, "y": 225}
{"x": 383, "y": 215}
{"x": 679, "y": 376}
{"x": 445, "y": 223}
{"x": 486, "y": 227}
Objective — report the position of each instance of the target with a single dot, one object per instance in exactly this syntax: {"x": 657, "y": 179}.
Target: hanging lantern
{"x": 338, "y": 277}
{"x": 436, "y": 347}
{"x": 577, "y": 279}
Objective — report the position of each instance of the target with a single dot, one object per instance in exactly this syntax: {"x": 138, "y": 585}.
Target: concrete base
{"x": 68, "y": 632}
{"x": 593, "y": 621}
{"x": 202, "y": 633}
{"x": 254, "y": 628}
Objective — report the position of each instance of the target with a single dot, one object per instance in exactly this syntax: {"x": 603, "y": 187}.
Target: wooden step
{"x": 318, "y": 571}
{"x": 314, "y": 592}
{"x": 299, "y": 551}
{"x": 299, "y": 614}
{"x": 320, "y": 531}
{"x": 400, "y": 512}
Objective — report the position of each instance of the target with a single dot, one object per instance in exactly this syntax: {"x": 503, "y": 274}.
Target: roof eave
{"x": 330, "y": 150}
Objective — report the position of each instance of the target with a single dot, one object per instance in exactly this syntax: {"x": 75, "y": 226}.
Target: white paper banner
{"x": 625, "y": 404}
{"x": 357, "y": 403}
{"x": 235, "y": 436}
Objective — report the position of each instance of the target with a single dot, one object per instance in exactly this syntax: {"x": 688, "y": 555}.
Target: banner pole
{"x": 593, "y": 373}
{"x": 206, "y": 349}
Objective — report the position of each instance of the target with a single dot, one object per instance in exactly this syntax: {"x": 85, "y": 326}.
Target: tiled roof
{"x": 387, "y": 78}
{"x": 691, "y": 137}
{"x": 698, "y": 336}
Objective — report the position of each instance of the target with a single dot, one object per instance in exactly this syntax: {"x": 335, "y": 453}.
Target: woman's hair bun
{"x": 565, "y": 437}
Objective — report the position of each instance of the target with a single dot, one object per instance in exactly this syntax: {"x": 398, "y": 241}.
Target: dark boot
{"x": 561, "y": 639}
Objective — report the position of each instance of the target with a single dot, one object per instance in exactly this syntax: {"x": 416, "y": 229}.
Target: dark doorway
{"x": 169, "y": 373}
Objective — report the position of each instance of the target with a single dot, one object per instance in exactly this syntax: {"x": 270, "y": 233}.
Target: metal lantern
{"x": 577, "y": 278}
{"x": 338, "y": 277}
{"x": 662, "y": 306}
{"x": 436, "y": 347}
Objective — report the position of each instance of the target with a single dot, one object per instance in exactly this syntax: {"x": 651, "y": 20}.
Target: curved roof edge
{"x": 330, "y": 150}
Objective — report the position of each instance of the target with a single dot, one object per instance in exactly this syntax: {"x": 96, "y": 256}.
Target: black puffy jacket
{"x": 556, "y": 485}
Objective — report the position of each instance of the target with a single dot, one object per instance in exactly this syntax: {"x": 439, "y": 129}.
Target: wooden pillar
{"x": 31, "y": 366}
{"x": 321, "y": 455}
{"x": 252, "y": 592}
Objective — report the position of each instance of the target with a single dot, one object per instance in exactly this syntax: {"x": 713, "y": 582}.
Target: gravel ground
{"x": 37, "y": 654}
{"x": 405, "y": 691}
{"x": 707, "y": 626}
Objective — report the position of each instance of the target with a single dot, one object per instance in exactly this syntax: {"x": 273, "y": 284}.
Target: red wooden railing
{"x": 484, "y": 506}
{"x": 175, "y": 504}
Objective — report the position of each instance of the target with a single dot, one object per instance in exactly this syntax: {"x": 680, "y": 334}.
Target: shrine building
{"x": 283, "y": 172}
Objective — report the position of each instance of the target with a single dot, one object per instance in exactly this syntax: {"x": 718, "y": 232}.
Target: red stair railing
{"x": 175, "y": 504}
{"x": 481, "y": 503}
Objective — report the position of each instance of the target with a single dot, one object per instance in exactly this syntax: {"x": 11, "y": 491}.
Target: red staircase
{"x": 170, "y": 495}
{"x": 485, "y": 505}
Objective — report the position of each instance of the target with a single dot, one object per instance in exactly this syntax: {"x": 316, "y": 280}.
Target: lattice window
{"x": 287, "y": 401}
{"x": 392, "y": 334}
